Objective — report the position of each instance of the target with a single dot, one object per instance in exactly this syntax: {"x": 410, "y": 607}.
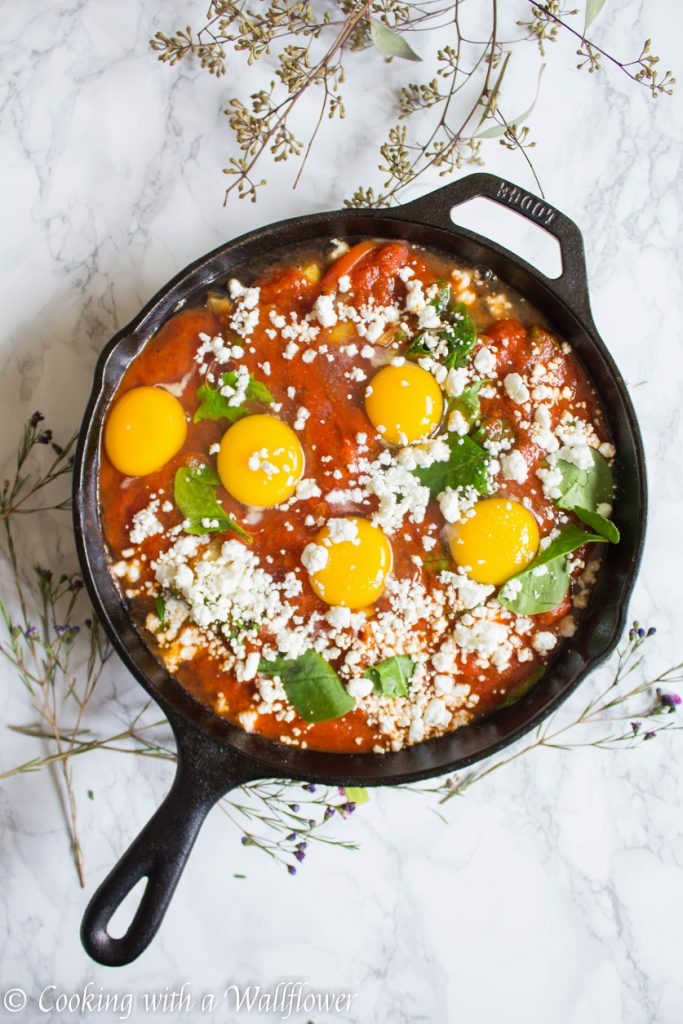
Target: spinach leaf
{"x": 215, "y": 406}
{"x": 194, "y": 491}
{"x": 460, "y": 336}
{"x": 530, "y": 594}
{"x": 311, "y": 685}
{"x": 457, "y": 336}
{"x": 391, "y": 677}
{"x": 521, "y": 690}
{"x": 467, "y": 466}
{"x": 468, "y": 402}
{"x": 599, "y": 524}
{"x": 544, "y": 583}
{"x": 569, "y": 539}
{"x": 495, "y": 428}
{"x": 585, "y": 488}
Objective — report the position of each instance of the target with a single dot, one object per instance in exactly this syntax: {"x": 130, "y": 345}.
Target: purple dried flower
{"x": 36, "y": 419}
{"x": 44, "y": 574}
{"x": 309, "y": 787}
{"x": 31, "y": 633}
{"x": 246, "y": 840}
{"x": 76, "y": 584}
{"x": 45, "y": 437}
{"x": 641, "y": 633}
{"x": 652, "y": 630}
{"x": 88, "y": 623}
{"x": 302, "y": 845}
{"x": 649, "y": 735}
{"x": 67, "y": 632}
{"x": 311, "y": 822}
{"x": 669, "y": 700}
{"x": 340, "y": 790}
{"x": 350, "y": 807}
{"x": 636, "y": 726}
{"x": 291, "y": 869}
{"x": 329, "y": 811}
{"x": 294, "y": 807}
{"x": 300, "y": 855}
{"x": 292, "y": 837}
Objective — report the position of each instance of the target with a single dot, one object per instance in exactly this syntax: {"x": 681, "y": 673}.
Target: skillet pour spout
{"x": 213, "y": 754}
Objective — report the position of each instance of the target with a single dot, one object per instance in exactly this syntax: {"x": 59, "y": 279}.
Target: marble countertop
{"x": 553, "y": 891}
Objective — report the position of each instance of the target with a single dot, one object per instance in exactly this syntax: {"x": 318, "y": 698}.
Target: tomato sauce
{"x": 336, "y": 418}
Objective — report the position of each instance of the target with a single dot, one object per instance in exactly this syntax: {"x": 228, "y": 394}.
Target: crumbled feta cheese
{"x": 314, "y": 558}
{"x": 516, "y": 389}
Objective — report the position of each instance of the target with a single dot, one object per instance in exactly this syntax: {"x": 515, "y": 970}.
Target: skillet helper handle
{"x": 435, "y": 208}
{"x": 159, "y": 854}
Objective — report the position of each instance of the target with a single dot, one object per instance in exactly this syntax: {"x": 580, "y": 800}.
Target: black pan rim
{"x": 269, "y": 758}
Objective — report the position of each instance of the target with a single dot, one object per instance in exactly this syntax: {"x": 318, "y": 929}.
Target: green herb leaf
{"x": 160, "y": 606}
{"x": 389, "y": 42}
{"x": 467, "y": 466}
{"x": 605, "y": 527}
{"x": 585, "y": 488}
{"x": 311, "y": 685}
{"x": 215, "y": 406}
{"x": 541, "y": 586}
{"x": 391, "y": 677}
{"x": 194, "y": 491}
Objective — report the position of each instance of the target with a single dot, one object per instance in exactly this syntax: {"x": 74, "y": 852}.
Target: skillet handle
{"x": 160, "y": 851}
{"x": 435, "y": 208}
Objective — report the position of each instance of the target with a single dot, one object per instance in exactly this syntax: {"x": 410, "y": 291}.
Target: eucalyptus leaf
{"x": 312, "y": 686}
{"x": 467, "y": 466}
{"x": 593, "y": 8}
{"x": 356, "y": 794}
{"x": 389, "y": 42}
{"x": 496, "y": 130}
{"x": 391, "y": 677}
{"x": 194, "y": 491}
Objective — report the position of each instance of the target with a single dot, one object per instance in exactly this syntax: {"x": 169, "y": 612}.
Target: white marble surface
{"x": 554, "y": 892}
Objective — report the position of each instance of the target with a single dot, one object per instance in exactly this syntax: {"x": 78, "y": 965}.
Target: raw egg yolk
{"x": 359, "y": 558}
{"x": 498, "y": 540}
{"x": 404, "y": 403}
{"x": 260, "y": 461}
{"x": 145, "y": 428}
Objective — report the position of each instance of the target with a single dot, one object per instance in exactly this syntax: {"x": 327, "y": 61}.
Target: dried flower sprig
{"x": 314, "y": 48}
{"x": 40, "y": 635}
{"x": 617, "y": 717}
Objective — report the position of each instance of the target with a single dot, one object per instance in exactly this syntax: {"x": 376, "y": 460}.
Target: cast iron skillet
{"x": 213, "y": 755}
